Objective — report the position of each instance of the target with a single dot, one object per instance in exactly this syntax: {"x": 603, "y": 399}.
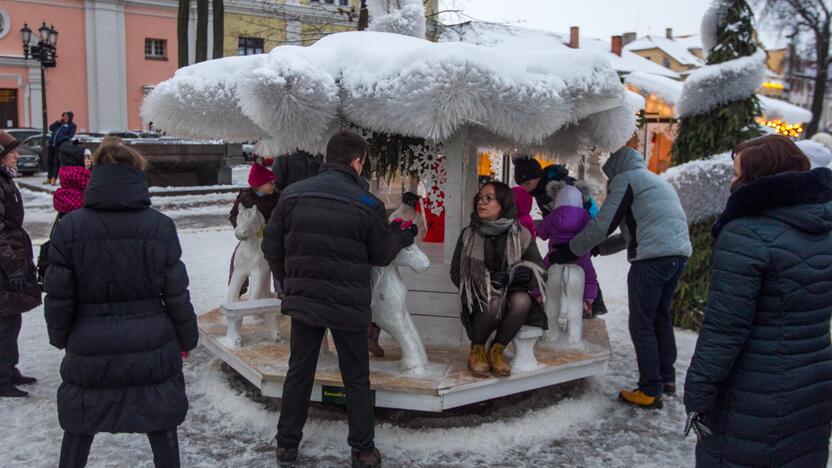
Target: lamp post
{"x": 44, "y": 51}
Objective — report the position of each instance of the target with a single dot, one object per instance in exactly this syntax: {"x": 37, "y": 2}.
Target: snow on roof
{"x": 671, "y": 90}
{"x": 397, "y": 84}
{"x": 499, "y": 35}
{"x": 677, "y": 49}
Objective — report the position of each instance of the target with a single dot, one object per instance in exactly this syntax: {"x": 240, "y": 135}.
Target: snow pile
{"x": 667, "y": 89}
{"x": 405, "y": 17}
{"x": 709, "y": 29}
{"x": 396, "y": 84}
{"x": 703, "y": 185}
{"x": 714, "y": 85}
{"x": 782, "y": 110}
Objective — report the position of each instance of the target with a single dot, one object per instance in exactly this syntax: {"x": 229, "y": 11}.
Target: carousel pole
{"x": 461, "y": 167}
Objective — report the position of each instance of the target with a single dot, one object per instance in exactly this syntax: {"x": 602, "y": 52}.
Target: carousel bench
{"x": 234, "y": 313}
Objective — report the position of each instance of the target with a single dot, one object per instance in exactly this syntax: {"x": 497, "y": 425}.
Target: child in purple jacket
{"x": 565, "y": 222}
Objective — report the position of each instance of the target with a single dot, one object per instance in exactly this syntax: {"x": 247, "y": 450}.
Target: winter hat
{"x": 526, "y": 168}
{"x": 823, "y": 138}
{"x": 557, "y": 172}
{"x": 259, "y": 175}
{"x": 70, "y": 115}
{"x": 818, "y": 154}
{"x": 569, "y": 196}
{"x": 7, "y": 143}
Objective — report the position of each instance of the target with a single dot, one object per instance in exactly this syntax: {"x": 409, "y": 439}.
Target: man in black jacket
{"x": 291, "y": 168}
{"x": 321, "y": 242}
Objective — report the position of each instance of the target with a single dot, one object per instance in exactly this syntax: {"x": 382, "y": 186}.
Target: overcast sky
{"x": 596, "y": 18}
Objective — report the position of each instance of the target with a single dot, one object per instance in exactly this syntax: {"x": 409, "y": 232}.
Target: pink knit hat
{"x": 259, "y": 175}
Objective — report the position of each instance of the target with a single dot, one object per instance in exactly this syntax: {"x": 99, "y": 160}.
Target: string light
{"x": 783, "y": 128}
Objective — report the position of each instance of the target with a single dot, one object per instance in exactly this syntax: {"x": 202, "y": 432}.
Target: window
{"x": 666, "y": 62}
{"x": 156, "y": 49}
{"x": 5, "y": 23}
{"x": 249, "y": 46}
{"x": 344, "y": 2}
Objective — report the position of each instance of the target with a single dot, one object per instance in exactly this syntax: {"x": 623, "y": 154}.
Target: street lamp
{"x": 44, "y": 51}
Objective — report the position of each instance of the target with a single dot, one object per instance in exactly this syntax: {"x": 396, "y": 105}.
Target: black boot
{"x": 10, "y": 391}
{"x": 598, "y": 306}
{"x": 372, "y": 340}
{"x": 286, "y": 457}
{"x": 366, "y": 459}
{"x": 20, "y": 379}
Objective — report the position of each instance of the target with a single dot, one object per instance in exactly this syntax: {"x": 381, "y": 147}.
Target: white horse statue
{"x": 249, "y": 262}
{"x": 389, "y": 307}
{"x": 564, "y": 304}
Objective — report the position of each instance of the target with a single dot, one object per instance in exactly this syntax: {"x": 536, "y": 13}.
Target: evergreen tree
{"x": 730, "y": 36}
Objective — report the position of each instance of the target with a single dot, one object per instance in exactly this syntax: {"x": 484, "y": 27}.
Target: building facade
{"x": 111, "y": 53}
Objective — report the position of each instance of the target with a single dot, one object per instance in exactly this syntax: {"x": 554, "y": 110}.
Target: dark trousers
{"x": 9, "y": 356}
{"x": 75, "y": 449}
{"x": 354, "y": 362}
{"x": 651, "y": 285}
{"x": 53, "y": 163}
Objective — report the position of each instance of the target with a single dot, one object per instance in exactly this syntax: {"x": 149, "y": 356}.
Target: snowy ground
{"x": 579, "y": 424}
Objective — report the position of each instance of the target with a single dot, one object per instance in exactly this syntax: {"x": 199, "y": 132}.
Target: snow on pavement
{"x": 578, "y": 424}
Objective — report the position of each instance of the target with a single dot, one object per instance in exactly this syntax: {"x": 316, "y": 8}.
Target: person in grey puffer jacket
{"x": 654, "y": 230}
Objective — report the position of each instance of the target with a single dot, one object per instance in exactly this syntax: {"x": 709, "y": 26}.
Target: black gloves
{"x": 499, "y": 279}
{"x": 17, "y": 281}
{"x": 694, "y": 422}
{"x": 407, "y": 231}
{"x": 596, "y": 251}
{"x": 410, "y": 199}
{"x": 562, "y": 255}
{"x": 522, "y": 276}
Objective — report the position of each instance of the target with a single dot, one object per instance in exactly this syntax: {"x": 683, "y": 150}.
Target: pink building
{"x": 110, "y": 53}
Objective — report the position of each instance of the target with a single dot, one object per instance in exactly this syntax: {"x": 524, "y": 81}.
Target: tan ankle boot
{"x": 499, "y": 366}
{"x": 477, "y": 362}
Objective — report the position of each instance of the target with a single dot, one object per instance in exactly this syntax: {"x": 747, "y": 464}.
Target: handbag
{"x": 43, "y": 254}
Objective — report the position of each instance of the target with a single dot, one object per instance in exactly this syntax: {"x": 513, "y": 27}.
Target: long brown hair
{"x": 767, "y": 155}
{"x": 505, "y": 197}
{"x": 117, "y": 153}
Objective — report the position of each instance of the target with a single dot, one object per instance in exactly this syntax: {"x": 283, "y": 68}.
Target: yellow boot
{"x": 477, "y": 363}
{"x": 638, "y": 398}
{"x": 499, "y": 366}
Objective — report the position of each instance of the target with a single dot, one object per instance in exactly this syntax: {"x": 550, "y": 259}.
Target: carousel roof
{"x": 294, "y": 97}
{"x": 670, "y": 91}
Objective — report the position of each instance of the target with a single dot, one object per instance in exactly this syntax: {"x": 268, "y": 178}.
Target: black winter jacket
{"x": 15, "y": 252}
{"x": 294, "y": 167}
{"x": 761, "y": 374}
{"x": 117, "y": 301}
{"x": 321, "y": 241}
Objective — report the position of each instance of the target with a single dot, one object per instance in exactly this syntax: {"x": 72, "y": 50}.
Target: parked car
{"x": 135, "y": 134}
{"x": 22, "y": 133}
{"x": 28, "y": 162}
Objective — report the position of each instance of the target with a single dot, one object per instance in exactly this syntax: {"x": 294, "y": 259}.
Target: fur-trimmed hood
{"x": 553, "y": 187}
{"x": 777, "y": 196}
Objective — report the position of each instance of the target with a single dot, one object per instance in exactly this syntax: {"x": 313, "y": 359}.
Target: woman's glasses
{"x": 486, "y": 199}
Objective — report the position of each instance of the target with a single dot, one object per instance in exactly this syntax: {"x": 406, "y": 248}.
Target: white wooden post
{"x": 461, "y": 186}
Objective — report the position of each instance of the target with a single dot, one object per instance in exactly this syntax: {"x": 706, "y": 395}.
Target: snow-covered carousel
{"x": 460, "y": 99}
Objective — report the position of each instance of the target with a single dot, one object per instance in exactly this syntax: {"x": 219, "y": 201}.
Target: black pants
{"x": 76, "y": 448}
{"x": 354, "y": 361}
{"x": 9, "y": 356}
{"x": 651, "y": 285}
{"x": 53, "y": 163}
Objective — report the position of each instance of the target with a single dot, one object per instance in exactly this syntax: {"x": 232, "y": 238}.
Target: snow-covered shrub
{"x": 406, "y": 17}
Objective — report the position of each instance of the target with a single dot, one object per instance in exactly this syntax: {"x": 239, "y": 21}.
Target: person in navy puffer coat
{"x": 759, "y": 388}
{"x": 117, "y": 301}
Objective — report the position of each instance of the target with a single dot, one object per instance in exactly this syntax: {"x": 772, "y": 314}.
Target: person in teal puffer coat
{"x": 759, "y": 388}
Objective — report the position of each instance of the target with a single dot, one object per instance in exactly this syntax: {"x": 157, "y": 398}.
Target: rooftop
{"x": 677, "y": 48}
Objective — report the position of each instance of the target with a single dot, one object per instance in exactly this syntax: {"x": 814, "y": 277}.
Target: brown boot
{"x": 499, "y": 366}
{"x": 477, "y": 362}
{"x": 372, "y": 340}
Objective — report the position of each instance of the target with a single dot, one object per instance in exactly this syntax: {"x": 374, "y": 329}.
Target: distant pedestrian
{"x": 294, "y": 167}
{"x": 61, "y": 130}
{"x": 117, "y": 302}
{"x": 19, "y": 290}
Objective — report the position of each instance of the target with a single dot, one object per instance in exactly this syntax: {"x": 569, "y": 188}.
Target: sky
{"x": 596, "y": 18}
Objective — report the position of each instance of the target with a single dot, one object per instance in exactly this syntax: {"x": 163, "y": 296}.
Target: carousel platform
{"x": 445, "y": 384}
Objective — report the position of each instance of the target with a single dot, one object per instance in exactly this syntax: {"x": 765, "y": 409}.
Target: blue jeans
{"x": 651, "y": 285}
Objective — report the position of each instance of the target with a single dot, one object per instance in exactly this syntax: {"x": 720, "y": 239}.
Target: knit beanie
{"x": 818, "y": 154}
{"x": 259, "y": 175}
{"x": 526, "y": 168}
{"x": 569, "y": 196}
